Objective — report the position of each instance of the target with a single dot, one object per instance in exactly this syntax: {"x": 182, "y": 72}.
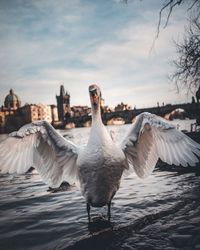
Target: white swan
{"x": 99, "y": 166}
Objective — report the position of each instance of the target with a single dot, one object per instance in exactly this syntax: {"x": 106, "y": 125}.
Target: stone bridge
{"x": 192, "y": 111}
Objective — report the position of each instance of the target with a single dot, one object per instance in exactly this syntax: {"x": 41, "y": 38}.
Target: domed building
{"x": 12, "y": 101}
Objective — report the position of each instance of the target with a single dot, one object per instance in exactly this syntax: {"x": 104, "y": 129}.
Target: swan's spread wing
{"x": 39, "y": 145}
{"x": 150, "y": 138}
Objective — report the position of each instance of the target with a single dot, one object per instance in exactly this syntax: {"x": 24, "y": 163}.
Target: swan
{"x": 97, "y": 167}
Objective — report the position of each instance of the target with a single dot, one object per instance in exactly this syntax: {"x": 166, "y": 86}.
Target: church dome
{"x": 12, "y": 100}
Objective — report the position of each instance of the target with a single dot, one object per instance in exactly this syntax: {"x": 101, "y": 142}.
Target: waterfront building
{"x": 13, "y": 116}
{"x": 13, "y": 120}
{"x": 33, "y": 112}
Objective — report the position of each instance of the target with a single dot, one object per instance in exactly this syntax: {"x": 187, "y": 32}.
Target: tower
{"x": 63, "y": 104}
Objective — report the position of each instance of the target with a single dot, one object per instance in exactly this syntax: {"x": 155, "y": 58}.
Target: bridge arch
{"x": 116, "y": 121}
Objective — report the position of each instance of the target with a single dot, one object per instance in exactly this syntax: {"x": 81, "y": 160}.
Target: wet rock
{"x": 99, "y": 223}
{"x": 30, "y": 170}
{"x": 181, "y": 240}
{"x": 65, "y": 186}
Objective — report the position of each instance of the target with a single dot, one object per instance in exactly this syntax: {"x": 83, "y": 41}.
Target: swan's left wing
{"x": 38, "y": 144}
{"x": 151, "y": 138}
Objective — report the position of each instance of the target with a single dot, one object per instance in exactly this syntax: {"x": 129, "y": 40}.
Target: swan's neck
{"x": 96, "y": 117}
{"x": 98, "y": 134}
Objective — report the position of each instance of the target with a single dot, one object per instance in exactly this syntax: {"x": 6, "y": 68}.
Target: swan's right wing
{"x": 151, "y": 138}
{"x": 40, "y": 145}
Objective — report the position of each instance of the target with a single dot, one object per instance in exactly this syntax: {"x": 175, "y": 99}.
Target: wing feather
{"x": 179, "y": 148}
{"x": 40, "y": 145}
{"x": 151, "y": 138}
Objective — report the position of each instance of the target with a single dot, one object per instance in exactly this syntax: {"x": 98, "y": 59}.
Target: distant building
{"x": 25, "y": 115}
{"x": 10, "y": 109}
{"x": 122, "y": 106}
{"x": 2, "y": 122}
{"x": 102, "y": 105}
{"x": 54, "y": 113}
{"x": 12, "y": 101}
{"x": 13, "y": 116}
{"x": 33, "y": 112}
{"x": 77, "y": 111}
{"x": 63, "y": 104}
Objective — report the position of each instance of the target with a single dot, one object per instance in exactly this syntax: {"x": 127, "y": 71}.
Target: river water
{"x": 160, "y": 212}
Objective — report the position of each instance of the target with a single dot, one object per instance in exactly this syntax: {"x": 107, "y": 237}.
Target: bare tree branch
{"x": 187, "y": 73}
{"x": 169, "y": 6}
{"x": 170, "y": 12}
{"x": 195, "y": 1}
{"x": 160, "y": 17}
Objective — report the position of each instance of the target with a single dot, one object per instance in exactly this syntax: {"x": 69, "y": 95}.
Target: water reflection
{"x": 98, "y": 224}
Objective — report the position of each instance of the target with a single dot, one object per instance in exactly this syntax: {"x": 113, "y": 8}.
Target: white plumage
{"x": 98, "y": 166}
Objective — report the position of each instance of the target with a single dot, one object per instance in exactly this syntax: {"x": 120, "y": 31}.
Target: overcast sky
{"x": 45, "y": 43}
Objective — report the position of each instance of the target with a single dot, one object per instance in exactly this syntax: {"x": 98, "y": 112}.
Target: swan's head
{"x": 95, "y": 96}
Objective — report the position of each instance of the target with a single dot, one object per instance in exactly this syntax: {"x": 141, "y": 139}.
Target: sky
{"x": 46, "y": 43}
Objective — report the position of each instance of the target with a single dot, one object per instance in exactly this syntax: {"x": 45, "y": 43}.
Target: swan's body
{"x": 98, "y": 167}
{"x": 100, "y": 164}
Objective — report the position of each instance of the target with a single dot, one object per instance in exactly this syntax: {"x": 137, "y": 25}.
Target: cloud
{"x": 44, "y": 43}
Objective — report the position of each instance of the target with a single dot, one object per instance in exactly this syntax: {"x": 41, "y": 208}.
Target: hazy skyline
{"x": 48, "y": 43}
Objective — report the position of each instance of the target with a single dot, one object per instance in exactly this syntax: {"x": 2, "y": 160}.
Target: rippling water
{"x": 160, "y": 212}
